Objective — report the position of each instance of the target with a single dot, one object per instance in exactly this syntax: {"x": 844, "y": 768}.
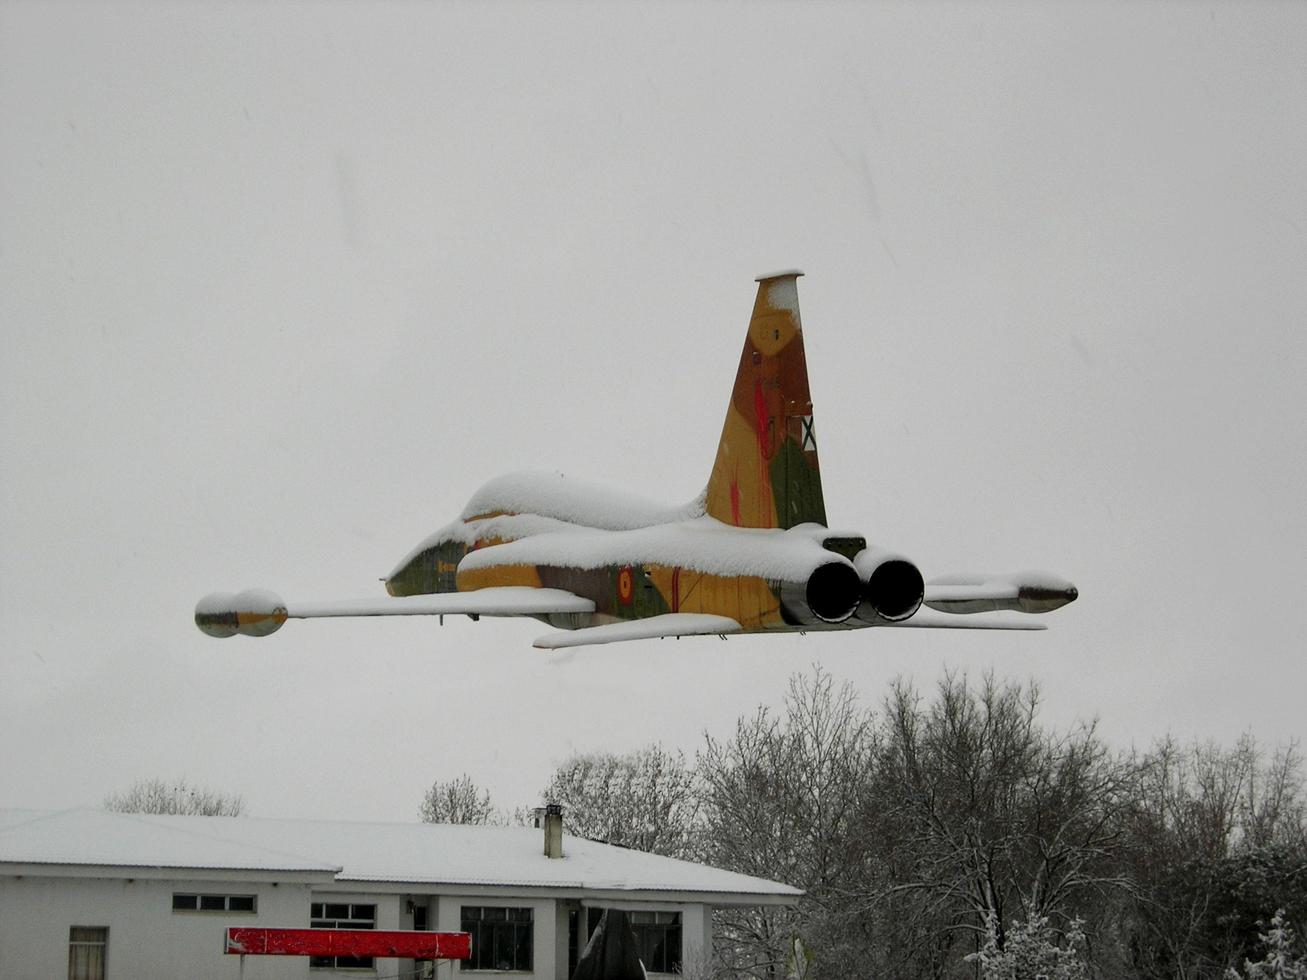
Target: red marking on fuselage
{"x": 762, "y": 420}
{"x": 735, "y": 502}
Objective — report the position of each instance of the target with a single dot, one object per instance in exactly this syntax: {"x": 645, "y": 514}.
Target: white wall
{"x": 696, "y": 941}
{"x": 146, "y": 937}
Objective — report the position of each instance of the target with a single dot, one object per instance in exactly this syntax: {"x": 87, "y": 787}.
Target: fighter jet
{"x": 751, "y": 554}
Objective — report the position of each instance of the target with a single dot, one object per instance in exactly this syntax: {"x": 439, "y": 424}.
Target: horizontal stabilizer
{"x": 928, "y": 619}
{"x": 1026, "y": 592}
{"x": 669, "y": 624}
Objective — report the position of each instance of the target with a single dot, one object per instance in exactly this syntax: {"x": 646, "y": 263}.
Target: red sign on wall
{"x": 349, "y": 942}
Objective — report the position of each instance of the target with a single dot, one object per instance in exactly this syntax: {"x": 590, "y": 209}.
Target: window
{"x": 501, "y": 938}
{"x": 658, "y": 940}
{"x": 420, "y": 923}
{"x": 87, "y": 946}
{"x": 342, "y": 915}
{"x": 182, "y": 902}
{"x": 573, "y": 939}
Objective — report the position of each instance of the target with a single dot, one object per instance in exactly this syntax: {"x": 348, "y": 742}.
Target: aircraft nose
{"x": 1072, "y": 593}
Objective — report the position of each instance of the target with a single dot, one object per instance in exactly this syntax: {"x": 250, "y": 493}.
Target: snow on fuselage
{"x": 632, "y": 557}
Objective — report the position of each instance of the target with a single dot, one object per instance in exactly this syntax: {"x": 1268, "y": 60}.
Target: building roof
{"x": 410, "y": 853}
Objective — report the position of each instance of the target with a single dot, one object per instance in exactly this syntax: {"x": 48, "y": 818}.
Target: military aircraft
{"x": 752, "y": 554}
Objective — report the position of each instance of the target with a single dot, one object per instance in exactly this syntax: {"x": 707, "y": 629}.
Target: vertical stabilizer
{"x": 766, "y": 472}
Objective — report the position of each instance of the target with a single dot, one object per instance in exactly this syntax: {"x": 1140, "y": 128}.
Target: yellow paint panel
{"x": 746, "y": 599}
{"x": 759, "y": 606}
{"x": 271, "y": 620}
{"x": 739, "y": 490}
{"x": 489, "y": 514}
{"x": 471, "y": 579}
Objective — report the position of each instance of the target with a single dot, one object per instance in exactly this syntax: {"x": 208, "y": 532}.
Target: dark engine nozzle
{"x": 831, "y": 595}
{"x": 892, "y": 588}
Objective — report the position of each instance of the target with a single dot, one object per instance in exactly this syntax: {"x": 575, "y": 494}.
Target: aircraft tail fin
{"x": 766, "y": 472}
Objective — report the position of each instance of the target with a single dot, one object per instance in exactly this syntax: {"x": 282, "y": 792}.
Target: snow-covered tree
{"x": 457, "y": 801}
{"x": 1282, "y": 961}
{"x": 1031, "y": 950}
{"x": 783, "y": 799}
{"x": 1219, "y": 837}
{"x": 644, "y": 799}
{"x": 983, "y": 818}
{"x": 176, "y": 797}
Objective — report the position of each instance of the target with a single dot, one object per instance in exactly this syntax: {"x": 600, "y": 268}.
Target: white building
{"x": 94, "y": 895}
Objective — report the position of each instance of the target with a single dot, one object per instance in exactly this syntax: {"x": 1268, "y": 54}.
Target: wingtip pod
{"x": 254, "y": 612}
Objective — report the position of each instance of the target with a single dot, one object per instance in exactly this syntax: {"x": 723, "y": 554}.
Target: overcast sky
{"x": 282, "y": 285}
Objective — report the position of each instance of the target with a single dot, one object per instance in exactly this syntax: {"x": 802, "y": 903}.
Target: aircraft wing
{"x": 929, "y": 619}
{"x": 258, "y": 612}
{"x": 668, "y": 624}
{"x": 503, "y": 601}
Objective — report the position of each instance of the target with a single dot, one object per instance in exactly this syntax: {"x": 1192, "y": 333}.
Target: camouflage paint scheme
{"x": 766, "y": 475}
{"x": 766, "y": 472}
{"x": 753, "y": 552}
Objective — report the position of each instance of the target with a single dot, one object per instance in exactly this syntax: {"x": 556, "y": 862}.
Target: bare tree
{"x": 645, "y": 799}
{"x": 782, "y": 800}
{"x": 176, "y": 797}
{"x": 983, "y": 818}
{"x": 458, "y": 801}
{"x": 1219, "y": 842}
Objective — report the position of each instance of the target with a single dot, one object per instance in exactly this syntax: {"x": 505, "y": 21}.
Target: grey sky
{"x": 280, "y": 286}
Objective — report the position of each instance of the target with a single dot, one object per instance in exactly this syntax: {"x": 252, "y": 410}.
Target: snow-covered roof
{"x": 417, "y": 853}
{"x": 96, "y": 837}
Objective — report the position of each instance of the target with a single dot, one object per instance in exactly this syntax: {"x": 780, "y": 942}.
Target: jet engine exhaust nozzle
{"x": 830, "y": 595}
{"x": 893, "y": 591}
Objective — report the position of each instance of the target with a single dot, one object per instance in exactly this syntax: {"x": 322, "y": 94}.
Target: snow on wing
{"x": 505, "y": 601}
{"x": 929, "y": 619}
{"x": 669, "y": 624}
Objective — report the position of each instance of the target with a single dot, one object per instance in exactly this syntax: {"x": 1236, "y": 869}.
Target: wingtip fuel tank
{"x": 254, "y": 612}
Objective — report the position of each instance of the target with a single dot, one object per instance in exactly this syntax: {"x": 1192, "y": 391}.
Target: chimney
{"x": 553, "y": 823}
